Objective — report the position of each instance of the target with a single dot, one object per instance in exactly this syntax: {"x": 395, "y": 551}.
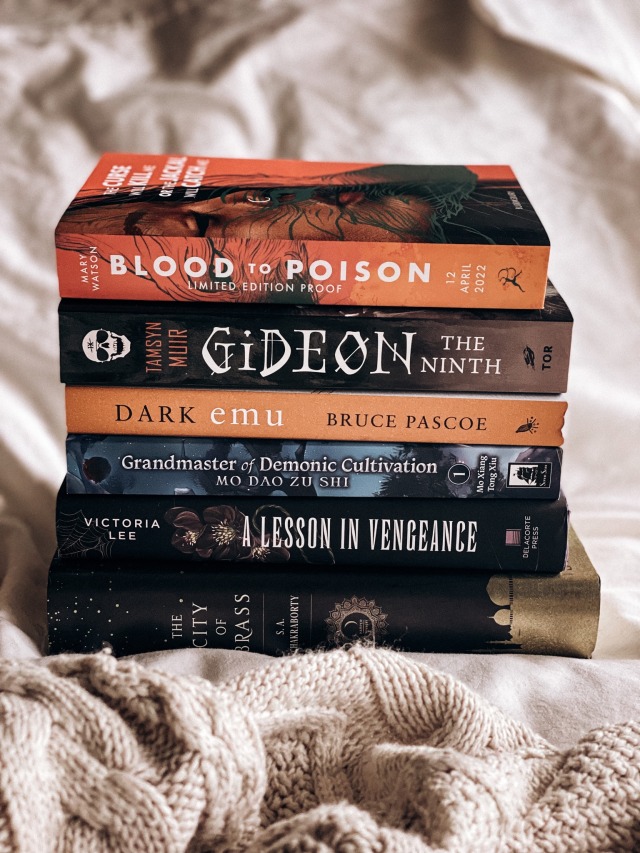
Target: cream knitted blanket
{"x": 352, "y": 751}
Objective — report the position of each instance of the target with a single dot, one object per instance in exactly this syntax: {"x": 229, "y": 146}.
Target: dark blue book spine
{"x": 509, "y": 536}
{"x": 145, "y": 465}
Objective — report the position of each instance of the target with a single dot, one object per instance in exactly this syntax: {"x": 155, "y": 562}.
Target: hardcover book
{"x": 146, "y": 465}
{"x": 161, "y": 227}
{"x": 318, "y": 415}
{"x": 134, "y": 607}
{"x": 316, "y": 347}
{"x": 429, "y": 533}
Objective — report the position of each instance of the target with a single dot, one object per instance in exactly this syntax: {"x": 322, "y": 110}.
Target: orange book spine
{"x": 333, "y": 273}
{"x": 325, "y": 415}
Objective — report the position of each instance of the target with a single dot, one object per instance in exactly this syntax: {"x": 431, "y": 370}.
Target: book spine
{"x": 328, "y": 272}
{"x": 322, "y": 415}
{"x": 132, "y": 609}
{"x": 403, "y": 352}
{"x": 200, "y": 466}
{"x": 511, "y": 536}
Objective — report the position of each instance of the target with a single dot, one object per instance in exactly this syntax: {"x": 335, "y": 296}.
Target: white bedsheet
{"x": 551, "y": 88}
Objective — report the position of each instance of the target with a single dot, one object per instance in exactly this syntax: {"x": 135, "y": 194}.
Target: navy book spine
{"x": 114, "y": 464}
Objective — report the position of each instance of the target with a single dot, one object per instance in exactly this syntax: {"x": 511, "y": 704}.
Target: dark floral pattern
{"x": 267, "y": 554}
{"x": 189, "y": 529}
{"x": 223, "y": 533}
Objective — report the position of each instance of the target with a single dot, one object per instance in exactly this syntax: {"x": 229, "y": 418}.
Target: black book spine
{"x": 299, "y": 348}
{"x": 274, "y": 612}
{"x": 508, "y": 536}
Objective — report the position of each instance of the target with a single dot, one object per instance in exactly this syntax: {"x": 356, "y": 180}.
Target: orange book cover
{"x": 182, "y": 228}
{"x": 321, "y": 415}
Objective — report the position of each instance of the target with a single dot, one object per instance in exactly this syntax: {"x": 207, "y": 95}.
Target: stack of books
{"x": 310, "y": 404}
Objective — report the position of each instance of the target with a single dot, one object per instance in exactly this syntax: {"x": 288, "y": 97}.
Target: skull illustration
{"x": 102, "y": 345}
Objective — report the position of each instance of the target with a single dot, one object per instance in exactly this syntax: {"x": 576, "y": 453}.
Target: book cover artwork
{"x": 316, "y": 347}
{"x": 195, "y": 228}
{"x": 199, "y": 466}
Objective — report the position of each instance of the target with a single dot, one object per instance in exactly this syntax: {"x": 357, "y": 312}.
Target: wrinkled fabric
{"x": 358, "y": 750}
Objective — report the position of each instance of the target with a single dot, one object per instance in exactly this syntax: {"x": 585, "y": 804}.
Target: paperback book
{"x": 132, "y": 607}
{"x": 145, "y": 465}
{"x": 429, "y": 533}
{"x": 320, "y": 415}
{"x": 316, "y": 346}
{"x": 161, "y": 227}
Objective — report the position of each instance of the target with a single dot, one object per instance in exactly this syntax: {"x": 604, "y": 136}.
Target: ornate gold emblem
{"x": 356, "y": 619}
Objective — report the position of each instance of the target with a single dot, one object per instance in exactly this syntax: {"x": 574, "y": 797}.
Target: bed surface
{"x": 551, "y": 89}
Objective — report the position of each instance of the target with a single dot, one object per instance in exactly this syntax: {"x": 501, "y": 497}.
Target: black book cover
{"x": 510, "y": 536}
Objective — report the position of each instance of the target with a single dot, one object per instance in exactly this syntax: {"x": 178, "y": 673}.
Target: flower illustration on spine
{"x": 264, "y": 552}
{"x": 223, "y": 533}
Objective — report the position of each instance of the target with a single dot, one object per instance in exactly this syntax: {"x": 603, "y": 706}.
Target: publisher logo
{"x": 356, "y": 619}
{"x": 101, "y": 345}
{"x": 529, "y": 357}
{"x": 508, "y": 277}
{"x": 530, "y": 425}
{"x": 529, "y": 475}
{"x": 513, "y": 537}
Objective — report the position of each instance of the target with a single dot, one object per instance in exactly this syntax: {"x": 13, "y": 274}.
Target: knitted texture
{"x": 352, "y": 751}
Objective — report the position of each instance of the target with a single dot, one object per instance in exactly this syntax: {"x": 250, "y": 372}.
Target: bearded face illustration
{"x": 258, "y": 223}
